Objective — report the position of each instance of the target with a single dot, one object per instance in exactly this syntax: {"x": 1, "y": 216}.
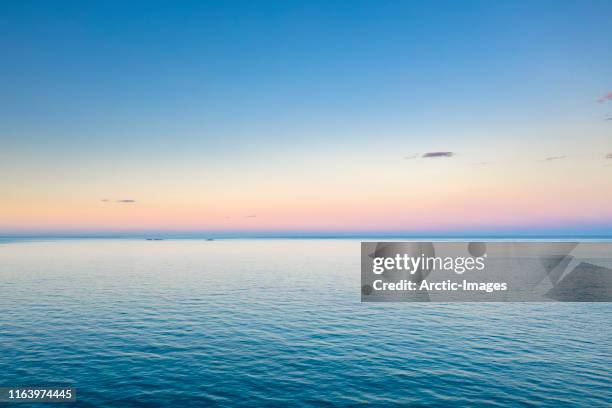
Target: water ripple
{"x": 258, "y": 323}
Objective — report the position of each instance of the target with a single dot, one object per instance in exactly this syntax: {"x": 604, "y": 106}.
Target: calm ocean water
{"x": 134, "y": 323}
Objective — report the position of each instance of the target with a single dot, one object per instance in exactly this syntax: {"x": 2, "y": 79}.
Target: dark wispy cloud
{"x": 104, "y": 200}
{"x": 430, "y": 155}
{"x": 414, "y": 156}
{"x": 552, "y": 158}
{"x": 609, "y": 156}
{"x": 251, "y": 216}
{"x": 605, "y": 98}
{"x": 609, "y": 117}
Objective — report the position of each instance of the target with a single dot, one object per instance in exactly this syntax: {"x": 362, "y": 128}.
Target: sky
{"x": 311, "y": 116}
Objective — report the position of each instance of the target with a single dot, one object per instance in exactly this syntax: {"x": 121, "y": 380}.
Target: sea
{"x": 276, "y": 323}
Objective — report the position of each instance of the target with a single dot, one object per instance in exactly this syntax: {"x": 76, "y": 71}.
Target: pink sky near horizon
{"x": 437, "y": 195}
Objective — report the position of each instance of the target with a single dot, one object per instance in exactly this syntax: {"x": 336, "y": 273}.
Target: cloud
{"x": 251, "y": 216}
{"x": 551, "y": 158}
{"x": 123, "y": 201}
{"x": 609, "y": 117}
{"x": 605, "y": 98}
{"x": 609, "y": 156}
{"x": 429, "y": 155}
{"x": 414, "y": 156}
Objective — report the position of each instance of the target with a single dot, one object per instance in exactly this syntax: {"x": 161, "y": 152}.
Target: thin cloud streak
{"x": 551, "y": 158}
{"x": 122, "y": 201}
{"x": 430, "y": 155}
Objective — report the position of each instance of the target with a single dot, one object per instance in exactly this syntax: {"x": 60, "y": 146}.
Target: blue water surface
{"x": 134, "y": 323}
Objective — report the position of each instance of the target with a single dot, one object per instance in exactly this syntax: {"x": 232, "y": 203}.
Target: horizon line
{"x": 303, "y": 234}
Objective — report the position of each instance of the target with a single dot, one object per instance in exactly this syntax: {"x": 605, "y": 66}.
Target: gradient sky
{"x": 306, "y": 116}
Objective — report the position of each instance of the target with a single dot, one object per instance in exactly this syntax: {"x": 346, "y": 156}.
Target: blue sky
{"x": 97, "y": 93}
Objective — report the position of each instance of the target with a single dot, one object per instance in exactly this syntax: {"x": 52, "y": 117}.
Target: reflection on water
{"x": 268, "y": 322}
